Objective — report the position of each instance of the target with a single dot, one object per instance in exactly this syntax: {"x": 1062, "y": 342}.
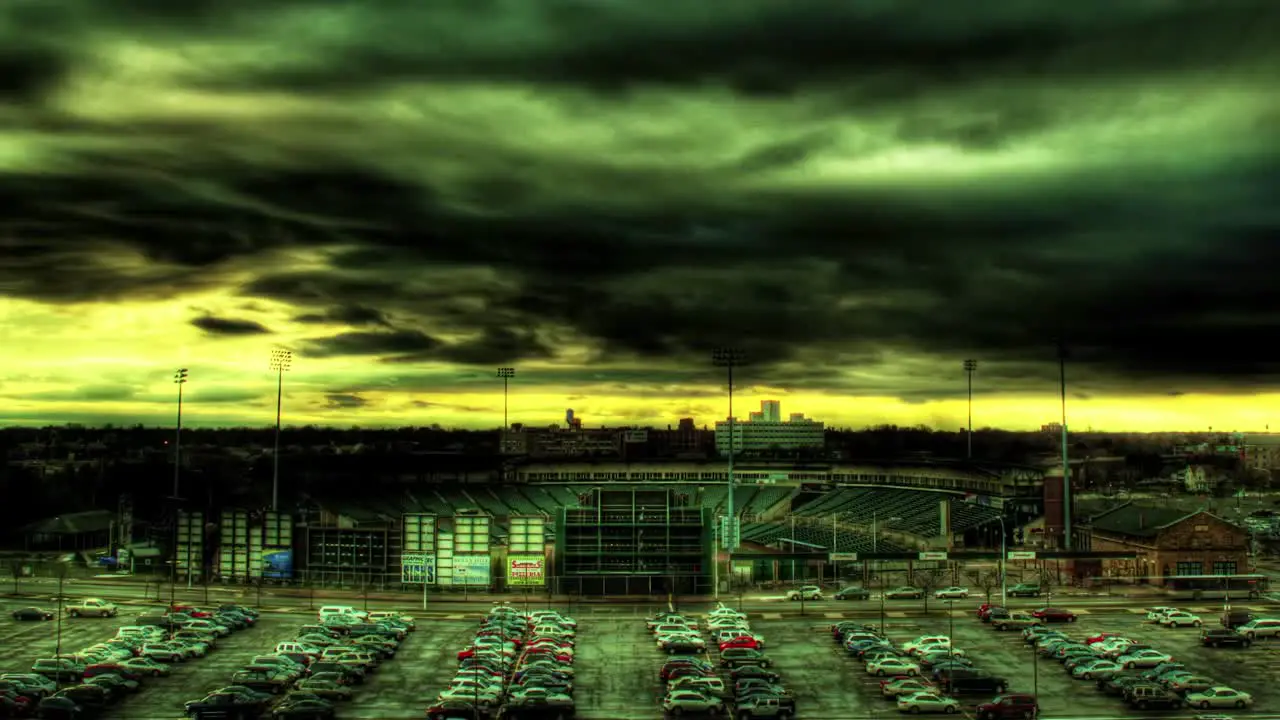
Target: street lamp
{"x": 180, "y": 379}
{"x": 970, "y": 367}
{"x": 729, "y": 358}
{"x": 1066, "y": 467}
{"x": 506, "y": 374}
{"x": 281, "y": 360}
{"x": 1004, "y": 556}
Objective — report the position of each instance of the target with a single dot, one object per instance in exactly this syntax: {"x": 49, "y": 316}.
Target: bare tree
{"x": 928, "y": 580}
{"x": 985, "y": 580}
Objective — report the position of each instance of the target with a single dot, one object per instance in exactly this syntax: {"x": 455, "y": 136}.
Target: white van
{"x": 345, "y": 610}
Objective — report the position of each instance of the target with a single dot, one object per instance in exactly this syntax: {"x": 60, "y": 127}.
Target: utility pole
{"x": 1066, "y": 462}
{"x": 281, "y": 360}
{"x": 729, "y": 358}
{"x": 506, "y": 374}
{"x": 970, "y": 366}
{"x": 180, "y": 379}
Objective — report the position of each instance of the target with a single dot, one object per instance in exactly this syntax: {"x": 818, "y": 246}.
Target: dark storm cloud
{"x": 345, "y": 315}
{"x": 230, "y": 327}
{"x": 888, "y": 49}
{"x": 394, "y": 343}
{"x": 1157, "y": 276}
{"x": 344, "y": 401}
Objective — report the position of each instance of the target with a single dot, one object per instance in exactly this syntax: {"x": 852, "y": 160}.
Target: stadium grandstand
{"x": 542, "y": 523}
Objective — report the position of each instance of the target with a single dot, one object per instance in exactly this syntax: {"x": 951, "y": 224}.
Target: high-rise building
{"x": 766, "y": 430}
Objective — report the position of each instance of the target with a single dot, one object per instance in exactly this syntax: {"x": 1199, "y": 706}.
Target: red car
{"x": 549, "y": 652}
{"x": 742, "y": 641}
{"x": 1049, "y": 615}
{"x": 191, "y": 610}
{"x": 1101, "y": 637}
{"x": 111, "y": 669}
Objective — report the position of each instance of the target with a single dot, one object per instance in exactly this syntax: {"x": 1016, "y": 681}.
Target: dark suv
{"x": 1006, "y": 707}
{"x": 1217, "y": 637}
{"x": 1146, "y": 697}
{"x": 961, "y": 680}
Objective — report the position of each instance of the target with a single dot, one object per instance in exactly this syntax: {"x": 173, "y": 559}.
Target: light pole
{"x": 970, "y": 366}
{"x": 1066, "y": 467}
{"x": 1004, "y": 556}
{"x": 506, "y": 374}
{"x": 180, "y": 379}
{"x": 281, "y": 360}
{"x": 729, "y": 358}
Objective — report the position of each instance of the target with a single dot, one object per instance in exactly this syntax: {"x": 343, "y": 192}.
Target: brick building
{"x": 1168, "y": 542}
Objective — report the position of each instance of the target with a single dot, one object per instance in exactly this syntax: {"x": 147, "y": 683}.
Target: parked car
{"x": 926, "y": 702}
{"x": 853, "y": 593}
{"x": 1217, "y": 637}
{"x": 1024, "y": 590}
{"x": 904, "y": 593}
{"x": 807, "y": 592}
{"x": 1052, "y": 614}
{"x": 32, "y": 613}
{"x": 951, "y": 593}
{"x": 1008, "y": 707}
{"x": 1220, "y": 697}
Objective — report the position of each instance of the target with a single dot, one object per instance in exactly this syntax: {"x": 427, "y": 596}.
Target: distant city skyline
{"x": 858, "y": 196}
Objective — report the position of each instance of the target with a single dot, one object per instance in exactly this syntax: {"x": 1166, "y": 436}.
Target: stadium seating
{"x": 908, "y": 511}
{"x": 778, "y": 534}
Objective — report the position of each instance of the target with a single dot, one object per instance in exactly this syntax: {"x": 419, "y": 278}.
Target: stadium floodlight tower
{"x": 281, "y": 361}
{"x": 970, "y": 367}
{"x": 506, "y": 373}
{"x": 729, "y": 358}
{"x": 1066, "y": 466}
{"x": 179, "y": 379}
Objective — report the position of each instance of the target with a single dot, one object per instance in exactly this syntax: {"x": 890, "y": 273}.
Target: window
{"x": 1189, "y": 568}
{"x": 1224, "y": 568}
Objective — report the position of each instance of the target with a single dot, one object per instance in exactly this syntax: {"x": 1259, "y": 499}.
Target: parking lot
{"x": 617, "y": 663}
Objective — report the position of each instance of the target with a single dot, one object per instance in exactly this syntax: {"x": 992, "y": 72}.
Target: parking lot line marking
{"x": 1081, "y": 611}
{"x": 959, "y": 613}
{"x": 455, "y": 617}
{"x": 833, "y": 616}
{"x": 771, "y": 616}
{"x": 1137, "y": 611}
{"x": 895, "y": 614}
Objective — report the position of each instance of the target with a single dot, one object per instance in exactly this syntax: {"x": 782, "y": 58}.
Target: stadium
{"x": 614, "y": 528}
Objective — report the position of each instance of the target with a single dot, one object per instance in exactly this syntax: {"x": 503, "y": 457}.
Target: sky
{"x": 600, "y": 193}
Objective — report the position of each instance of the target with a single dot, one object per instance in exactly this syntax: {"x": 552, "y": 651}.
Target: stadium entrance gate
{"x": 633, "y": 542}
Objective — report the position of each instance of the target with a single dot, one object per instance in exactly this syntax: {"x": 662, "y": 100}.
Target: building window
{"x": 1189, "y": 568}
{"x": 1223, "y": 567}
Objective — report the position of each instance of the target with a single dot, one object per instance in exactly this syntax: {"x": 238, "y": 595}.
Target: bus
{"x": 1216, "y": 587}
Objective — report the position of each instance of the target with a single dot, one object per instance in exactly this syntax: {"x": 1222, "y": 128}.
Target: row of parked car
{"x": 100, "y": 676}
{"x": 733, "y": 678}
{"x": 926, "y": 674}
{"x": 1141, "y": 675}
{"x": 519, "y": 665}
{"x": 302, "y": 677}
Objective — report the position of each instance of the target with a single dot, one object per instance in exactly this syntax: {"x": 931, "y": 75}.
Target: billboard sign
{"x": 417, "y": 569}
{"x": 526, "y": 570}
{"x": 471, "y": 570}
{"x": 278, "y": 565}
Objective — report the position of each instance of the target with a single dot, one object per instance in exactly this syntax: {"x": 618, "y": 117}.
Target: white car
{"x": 1154, "y": 614}
{"x": 690, "y": 701}
{"x": 808, "y": 592}
{"x": 1220, "y": 697}
{"x": 927, "y": 702}
{"x": 937, "y": 647}
{"x": 488, "y": 695}
{"x": 1180, "y": 618}
{"x": 1111, "y": 644}
{"x": 1143, "y": 659}
{"x": 724, "y": 610}
{"x": 952, "y": 593}
{"x": 892, "y": 666}
{"x": 924, "y": 639}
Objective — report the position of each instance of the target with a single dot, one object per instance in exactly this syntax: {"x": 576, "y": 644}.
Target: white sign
{"x": 933, "y": 556}
{"x": 417, "y": 568}
{"x": 471, "y": 569}
{"x": 1021, "y": 555}
{"x": 843, "y": 557}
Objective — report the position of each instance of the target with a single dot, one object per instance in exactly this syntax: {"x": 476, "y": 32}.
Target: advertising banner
{"x": 277, "y": 564}
{"x": 417, "y": 569}
{"x": 526, "y": 571}
{"x": 471, "y": 570}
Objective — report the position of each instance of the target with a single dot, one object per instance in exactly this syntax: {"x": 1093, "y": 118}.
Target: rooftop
{"x": 1139, "y": 520}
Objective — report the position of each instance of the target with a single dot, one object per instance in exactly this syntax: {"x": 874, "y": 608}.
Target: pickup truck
{"x": 93, "y": 607}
